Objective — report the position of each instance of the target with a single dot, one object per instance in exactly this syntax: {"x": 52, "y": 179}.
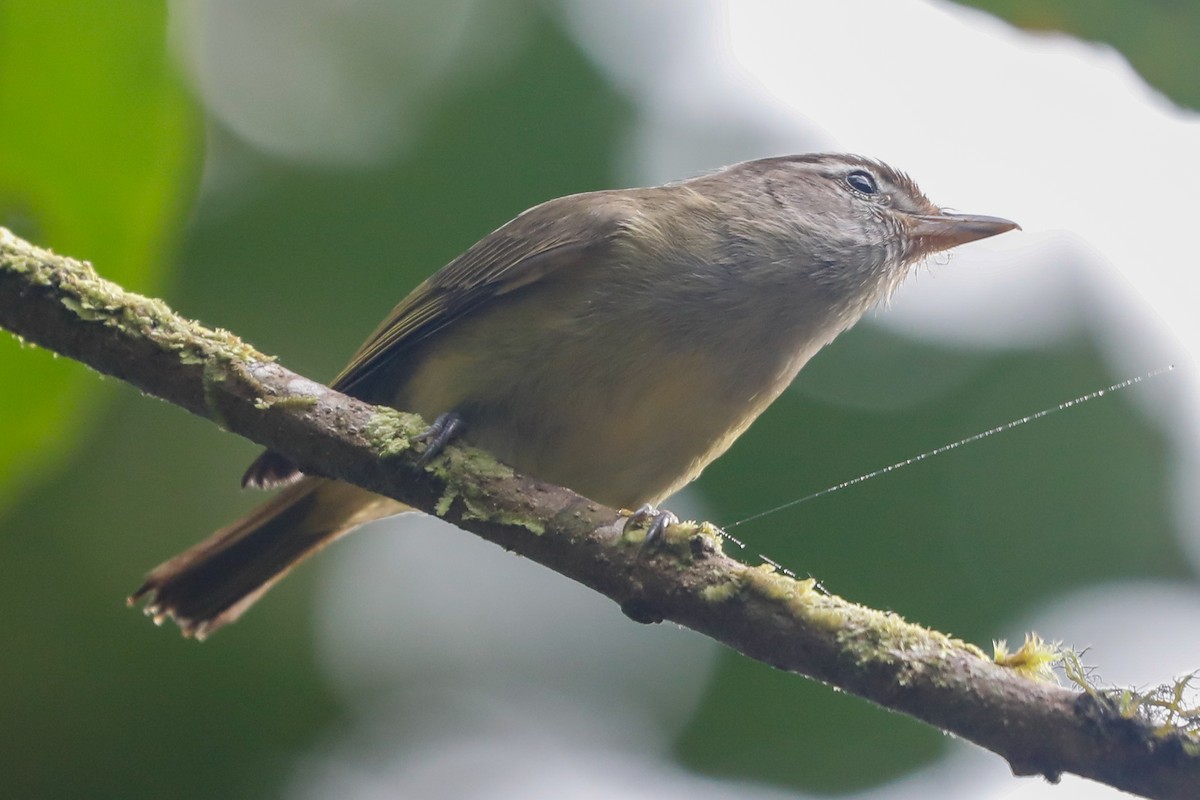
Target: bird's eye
{"x": 862, "y": 181}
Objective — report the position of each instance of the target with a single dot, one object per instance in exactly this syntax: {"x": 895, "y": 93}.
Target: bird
{"x": 614, "y": 342}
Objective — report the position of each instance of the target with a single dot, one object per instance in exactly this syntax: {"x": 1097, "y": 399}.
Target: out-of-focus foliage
{"x": 97, "y": 153}
{"x": 1157, "y": 36}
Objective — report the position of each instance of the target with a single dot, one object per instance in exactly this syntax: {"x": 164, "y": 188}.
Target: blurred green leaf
{"x": 1157, "y": 36}
{"x": 96, "y": 153}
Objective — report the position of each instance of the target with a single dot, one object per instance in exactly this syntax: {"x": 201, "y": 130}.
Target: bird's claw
{"x": 659, "y": 519}
{"x": 443, "y": 430}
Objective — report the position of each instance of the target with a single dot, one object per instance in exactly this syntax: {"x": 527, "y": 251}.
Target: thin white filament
{"x": 1016, "y": 423}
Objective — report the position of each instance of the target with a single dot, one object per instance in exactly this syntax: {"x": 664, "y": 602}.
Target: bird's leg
{"x": 659, "y": 519}
{"x": 443, "y": 430}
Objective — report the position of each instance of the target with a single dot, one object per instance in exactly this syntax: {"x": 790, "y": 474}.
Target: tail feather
{"x": 211, "y": 584}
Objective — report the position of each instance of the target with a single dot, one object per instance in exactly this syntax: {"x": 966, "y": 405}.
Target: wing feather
{"x": 547, "y": 238}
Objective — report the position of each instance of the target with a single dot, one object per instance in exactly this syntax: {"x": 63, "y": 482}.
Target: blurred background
{"x": 289, "y": 169}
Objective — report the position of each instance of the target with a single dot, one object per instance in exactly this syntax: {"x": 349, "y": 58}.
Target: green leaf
{"x": 1158, "y": 38}
{"x": 97, "y": 146}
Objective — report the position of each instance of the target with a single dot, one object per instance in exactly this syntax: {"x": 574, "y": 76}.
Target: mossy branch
{"x": 1039, "y": 727}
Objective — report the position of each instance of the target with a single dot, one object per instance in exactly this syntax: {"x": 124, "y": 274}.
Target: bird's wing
{"x": 546, "y": 238}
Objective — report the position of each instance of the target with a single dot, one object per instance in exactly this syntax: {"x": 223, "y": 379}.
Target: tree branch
{"x": 1039, "y": 727}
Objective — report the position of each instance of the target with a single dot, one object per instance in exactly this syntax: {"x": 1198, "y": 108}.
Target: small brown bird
{"x": 613, "y": 342}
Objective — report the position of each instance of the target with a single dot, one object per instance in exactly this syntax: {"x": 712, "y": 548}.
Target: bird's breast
{"x": 613, "y": 401}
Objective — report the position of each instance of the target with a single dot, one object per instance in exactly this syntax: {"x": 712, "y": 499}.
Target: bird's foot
{"x": 659, "y": 519}
{"x": 443, "y": 431}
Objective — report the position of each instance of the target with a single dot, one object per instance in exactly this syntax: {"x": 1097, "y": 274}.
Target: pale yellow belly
{"x": 607, "y": 407}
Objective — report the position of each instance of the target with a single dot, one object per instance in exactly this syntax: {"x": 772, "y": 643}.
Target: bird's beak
{"x": 936, "y": 232}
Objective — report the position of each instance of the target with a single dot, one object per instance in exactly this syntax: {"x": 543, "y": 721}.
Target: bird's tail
{"x": 212, "y": 583}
